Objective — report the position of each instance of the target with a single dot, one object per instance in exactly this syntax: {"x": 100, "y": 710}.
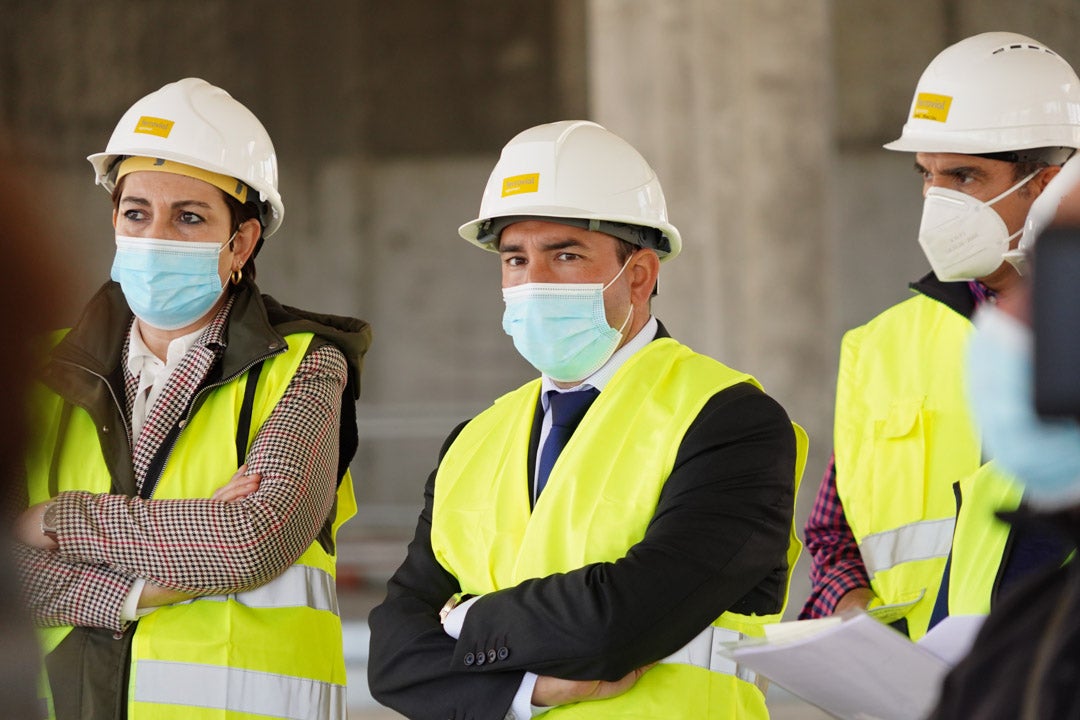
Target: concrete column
{"x": 730, "y": 102}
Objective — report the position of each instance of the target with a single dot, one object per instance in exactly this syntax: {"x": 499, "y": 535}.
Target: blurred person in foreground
{"x": 1025, "y": 662}
{"x": 588, "y": 539}
{"x": 191, "y": 439}
{"x": 35, "y": 288}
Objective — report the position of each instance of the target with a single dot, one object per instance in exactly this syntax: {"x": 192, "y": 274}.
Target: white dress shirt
{"x": 152, "y": 374}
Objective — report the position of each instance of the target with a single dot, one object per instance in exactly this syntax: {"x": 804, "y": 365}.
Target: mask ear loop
{"x": 627, "y": 320}
{"x": 618, "y": 274}
{"x": 1008, "y": 192}
{"x": 236, "y": 275}
{"x": 1013, "y": 189}
{"x": 611, "y": 282}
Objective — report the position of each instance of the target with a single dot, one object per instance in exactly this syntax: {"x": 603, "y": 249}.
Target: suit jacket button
{"x": 469, "y": 659}
{"x": 504, "y": 652}
{"x": 491, "y": 655}
{"x": 481, "y": 658}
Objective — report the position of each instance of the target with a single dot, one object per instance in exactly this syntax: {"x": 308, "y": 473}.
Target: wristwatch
{"x": 455, "y": 600}
{"x": 48, "y": 520}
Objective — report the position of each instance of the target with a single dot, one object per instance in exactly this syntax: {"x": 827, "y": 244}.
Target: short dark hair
{"x": 1022, "y": 169}
{"x": 624, "y": 249}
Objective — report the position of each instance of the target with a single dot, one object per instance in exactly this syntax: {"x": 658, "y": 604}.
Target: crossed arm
{"x": 717, "y": 541}
{"x": 248, "y": 533}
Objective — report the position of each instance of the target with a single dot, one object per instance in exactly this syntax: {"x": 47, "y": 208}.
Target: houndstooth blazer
{"x": 198, "y": 545}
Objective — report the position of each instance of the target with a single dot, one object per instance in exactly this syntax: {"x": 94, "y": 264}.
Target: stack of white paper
{"x": 855, "y": 667}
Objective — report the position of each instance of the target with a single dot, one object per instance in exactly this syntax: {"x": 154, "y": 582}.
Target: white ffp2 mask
{"x": 963, "y": 237}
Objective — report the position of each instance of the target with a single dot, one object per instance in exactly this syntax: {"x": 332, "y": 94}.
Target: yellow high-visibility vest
{"x": 903, "y": 436}
{"x": 271, "y": 652}
{"x": 598, "y": 501}
{"x": 980, "y": 538}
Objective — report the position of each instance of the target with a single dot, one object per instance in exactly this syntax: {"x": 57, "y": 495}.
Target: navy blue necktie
{"x": 567, "y": 409}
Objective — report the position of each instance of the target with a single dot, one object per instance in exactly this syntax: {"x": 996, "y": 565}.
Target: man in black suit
{"x": 593, "y": 581}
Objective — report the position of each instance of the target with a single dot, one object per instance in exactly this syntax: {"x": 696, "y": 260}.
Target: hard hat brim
{"x": 471, "y": 230}
{"x": 103, "y": 162}
{"x": 975, "y": 143}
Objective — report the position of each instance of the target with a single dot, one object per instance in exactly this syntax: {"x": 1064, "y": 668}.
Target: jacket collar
{"x": 98, "y": 339}
{"x": 249, "y": 326}
{"x": 954, "y": 295}
{"x": 350, "y": 335}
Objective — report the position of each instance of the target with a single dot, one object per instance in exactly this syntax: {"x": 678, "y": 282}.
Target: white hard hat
{"x": 994, "y": 92}
{"x": 575, "y": 170}
{"x": 193, "y": 122}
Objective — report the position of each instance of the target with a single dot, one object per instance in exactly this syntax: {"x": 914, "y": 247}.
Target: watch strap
{"x": 48, "y": 520}
{"x": 455, "y": 600}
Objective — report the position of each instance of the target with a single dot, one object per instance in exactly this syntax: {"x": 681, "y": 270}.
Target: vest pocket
{"x": 897, "y": 488}
{"x": 891, "y": 612}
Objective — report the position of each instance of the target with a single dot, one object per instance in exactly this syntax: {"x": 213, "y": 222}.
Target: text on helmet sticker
{"x": 519, "y": 184}
{"x": 929, "y": 106}
{"x": 154, "y": 126}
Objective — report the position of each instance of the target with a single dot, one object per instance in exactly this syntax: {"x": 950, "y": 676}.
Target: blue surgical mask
{"x": 168, "y": 284}
{"x": 561, "y": 328}
{"x": 1044, "y": 454}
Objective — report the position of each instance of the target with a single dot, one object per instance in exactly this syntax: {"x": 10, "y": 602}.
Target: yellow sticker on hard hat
{"x": 929, "y": 106}
{"x": 154, "y": 126}
{"x": 519, "y": 184}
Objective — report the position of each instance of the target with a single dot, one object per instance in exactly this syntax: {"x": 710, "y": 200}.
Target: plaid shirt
{"x": 198, "y": 546}
{"x": 836, "y": 565}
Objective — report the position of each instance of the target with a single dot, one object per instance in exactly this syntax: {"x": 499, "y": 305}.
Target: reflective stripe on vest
{"x": 600, "y": 497}
{"x": 924, "y": 540}
{"x": 299, "y": 586}
{"x": 235, "y": 690}
{"x": 223, "y": 635}
{"x": 903, "y": 436}
{"x": 706, "y": 651}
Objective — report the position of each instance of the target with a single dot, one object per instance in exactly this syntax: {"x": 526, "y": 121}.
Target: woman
{"x": 189, "y": 465}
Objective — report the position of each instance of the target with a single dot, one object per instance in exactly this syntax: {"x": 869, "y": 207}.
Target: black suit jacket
{"x": 717, "y": 542}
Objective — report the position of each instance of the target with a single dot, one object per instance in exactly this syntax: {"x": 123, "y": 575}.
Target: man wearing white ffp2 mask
{"x": 905, "y": 515}
{"x": 963, "y": 237}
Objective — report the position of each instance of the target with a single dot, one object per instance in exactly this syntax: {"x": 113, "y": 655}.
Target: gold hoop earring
{"x": 236, "y": 276}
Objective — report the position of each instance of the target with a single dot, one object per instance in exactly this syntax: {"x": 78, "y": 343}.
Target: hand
{"x": 858, "y": 598}
{"x": 27, "y": 528}
{"x": 156, "y": 596}
{"x": 550, "y": 691}
{"x": 240, "y": 485}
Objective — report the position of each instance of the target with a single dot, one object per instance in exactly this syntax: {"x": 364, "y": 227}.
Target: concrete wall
{"x": 764, "y": 119}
